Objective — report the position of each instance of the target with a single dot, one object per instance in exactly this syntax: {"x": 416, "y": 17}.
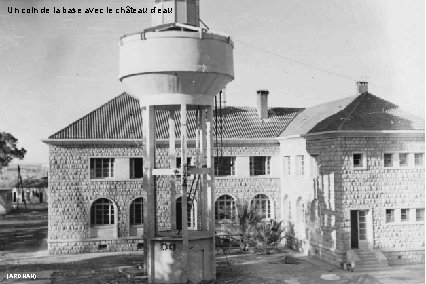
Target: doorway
{"x": 359, "y": 229}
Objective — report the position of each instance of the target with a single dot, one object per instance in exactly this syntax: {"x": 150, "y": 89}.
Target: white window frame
{"x": 111, "y": 168}
{"x": 407, "y": 215}
{"x": 423, "y": 160}
{"x": 100, "y": 202}
{"x": 363, "y": 161}
{"x": 189, "y": 161}
{"x": 420, "y": 209}
{"x": 232, "y": 168}
{"x": 136, "y": 201}
{"x": 299, "y": 168}
{"x": 410, "y": 213}
{"x": 407, "y": 160}
{"x": 132, "y": 168}
{"x": 393, "y": 215}
{"x": 259, "y": 199}
{"x": 287, "y": 165}
{"x": 267, "y": 166}
{"x": 392, "y": 160}
{"x": 233, "y": 213}
{"x": 396, "y": 161}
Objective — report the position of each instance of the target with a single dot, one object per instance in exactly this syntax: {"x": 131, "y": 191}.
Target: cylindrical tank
{"x": 173, "y": 67}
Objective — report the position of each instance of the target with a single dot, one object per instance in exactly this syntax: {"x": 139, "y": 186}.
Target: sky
{"x": 56, "y": 68}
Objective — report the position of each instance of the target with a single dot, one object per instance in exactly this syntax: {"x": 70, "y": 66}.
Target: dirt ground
{"x": 23, "y": 247}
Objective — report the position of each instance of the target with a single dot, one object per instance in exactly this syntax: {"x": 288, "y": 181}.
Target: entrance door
{"x": 362, "y": 229}
{"x": 359, "y": 229}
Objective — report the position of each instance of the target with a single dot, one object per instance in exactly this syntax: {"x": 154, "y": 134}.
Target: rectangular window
{"x": 260, "y": 165}
{"x": 101, "y": 168}
{"x": 403, "y": 159}
{"x": 136, "y": 168}
{"x": 388, "y": 160}
{"x": 357, "y": 160}
{"x": 287, "y": 167}
{"x": 390, "y": 215}
{"x": 420, "y": 214}
{"x": 224, "y": 166}
{"x": 179, "y": 161}
{"x": 418, "y": 159}
{"x": 405, "y": 215}
{"x": 300, "y": 165}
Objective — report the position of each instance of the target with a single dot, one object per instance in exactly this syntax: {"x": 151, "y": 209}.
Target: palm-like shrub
{"x": 269, "y": 236}
{"x": 248, "y": 219}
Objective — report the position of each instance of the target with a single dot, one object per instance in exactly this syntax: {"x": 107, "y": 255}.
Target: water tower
{"x": 176, "y": 68}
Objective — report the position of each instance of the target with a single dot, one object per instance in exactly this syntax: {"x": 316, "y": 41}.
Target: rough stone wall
{"x": 71, "y": 193}
{"x": 405, "y": 257}
{"x": 374, "y": 188}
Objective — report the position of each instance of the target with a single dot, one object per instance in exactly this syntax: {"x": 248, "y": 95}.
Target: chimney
{"x": 262, "y": 103}
{"x": 362, "y": 87}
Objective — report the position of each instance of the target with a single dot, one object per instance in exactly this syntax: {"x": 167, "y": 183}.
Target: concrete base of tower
{"x": 168, "y": 263}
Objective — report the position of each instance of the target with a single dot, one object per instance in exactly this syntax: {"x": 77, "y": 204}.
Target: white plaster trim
{"x": 367, "y": 133}
{"x": 138, "y": 142}
{"x": 289, "y": 137}
{"x": 135, "y": 142}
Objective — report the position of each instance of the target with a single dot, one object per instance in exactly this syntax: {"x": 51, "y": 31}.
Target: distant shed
{"x": 5, "y": 200}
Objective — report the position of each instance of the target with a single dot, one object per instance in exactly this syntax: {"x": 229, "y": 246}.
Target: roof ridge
{"x": 355, "y": 103}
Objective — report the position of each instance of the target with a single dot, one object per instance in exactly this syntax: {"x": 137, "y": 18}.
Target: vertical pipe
{"x": 203, "y": 150}
{"x": 210, "y": 166}
{"x": 221, "y": 124}
{"x": 150, "y": 226}
{"x": 172, "y": 159}
{"x": 215, "y": 125}
{"x": 183, "y": 148}
{"x": 210, "y": 185}
{"x": 198, "y": 184}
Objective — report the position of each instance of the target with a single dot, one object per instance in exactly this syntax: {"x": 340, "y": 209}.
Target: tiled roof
{"x": 308, "y": 118}
{"x": 363, "y": 112}
{"x": 121, "y": 118}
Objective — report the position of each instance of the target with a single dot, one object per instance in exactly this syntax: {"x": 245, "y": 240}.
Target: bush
{"x": 269, "y": 236}
{"x": 248, "y": 219}
{"x": 255, "y": 234}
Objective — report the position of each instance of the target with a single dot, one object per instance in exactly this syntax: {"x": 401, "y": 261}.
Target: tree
{"x": 8, "y": 149}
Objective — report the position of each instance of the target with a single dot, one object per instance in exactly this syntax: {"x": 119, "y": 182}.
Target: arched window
{"x": 262, "y": 203}
{"x": 102, "y": 212}
{"x": 300, "y": 217}
{"x": 287, "y": 209}
{"x": 225, "y": 208}
{"x": 136, "y": 212}
{"x": 315, "y": 214}
{"x": 191, "y": 214}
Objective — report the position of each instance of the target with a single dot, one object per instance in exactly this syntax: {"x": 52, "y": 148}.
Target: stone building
{"x": 95, "y": 176}
{"x": 344, "y": 176}
{"x": 353, "y": 181}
